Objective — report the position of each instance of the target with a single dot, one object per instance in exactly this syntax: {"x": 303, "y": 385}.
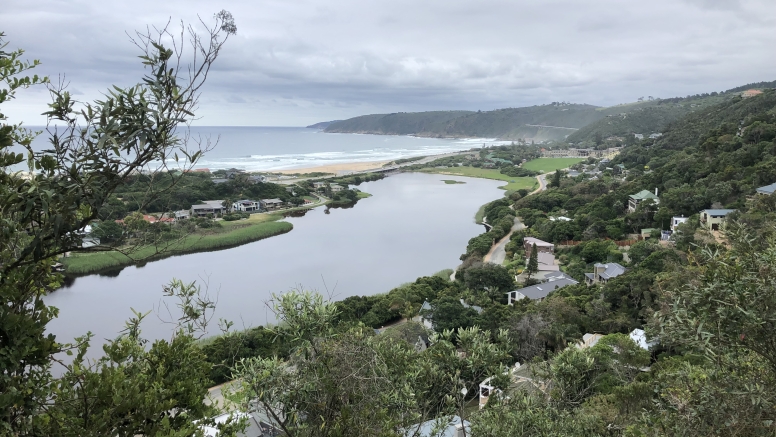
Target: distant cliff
{"x": 545, "y": 122}
{"x": 322, "y": 125}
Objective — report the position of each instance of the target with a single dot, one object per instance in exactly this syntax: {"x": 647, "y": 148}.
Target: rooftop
{"x": 768, "y": 189}
{"x": 643, "y": 195}
{"x": 718, "y": 212}
{"x": 538, "y": 242}
{"x": 540, "y": 291}
{"x": 611, "y": 270}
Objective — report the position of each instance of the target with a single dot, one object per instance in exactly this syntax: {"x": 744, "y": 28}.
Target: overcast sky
{"x": 297, "y": 62}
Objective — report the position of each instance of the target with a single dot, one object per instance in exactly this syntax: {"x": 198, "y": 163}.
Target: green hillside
{"x": 545, "y": 122}
{"x": 576, "y": 123}
{"x": 431, "y": 123}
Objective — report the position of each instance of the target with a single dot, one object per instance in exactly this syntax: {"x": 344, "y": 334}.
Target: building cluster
{"x": 581, "y": 153}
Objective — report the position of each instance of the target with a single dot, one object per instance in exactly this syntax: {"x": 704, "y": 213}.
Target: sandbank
{"x": 336, "y": 168}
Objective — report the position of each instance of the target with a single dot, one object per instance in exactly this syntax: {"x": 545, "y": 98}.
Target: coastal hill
{"x": 574, "y": 123}
{"x": 321, "y": 125}
{"x": 545, "y": 122}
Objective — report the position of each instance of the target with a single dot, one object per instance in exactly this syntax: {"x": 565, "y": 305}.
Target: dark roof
{"x": 540, "y": 291}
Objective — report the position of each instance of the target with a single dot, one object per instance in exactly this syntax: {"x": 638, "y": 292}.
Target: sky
{"x": 294, "y": 63}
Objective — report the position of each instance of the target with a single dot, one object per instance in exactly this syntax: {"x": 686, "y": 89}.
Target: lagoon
{"x": 414, "y": 225}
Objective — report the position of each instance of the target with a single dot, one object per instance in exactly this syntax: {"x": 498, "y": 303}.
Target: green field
{"x": 546, "y": 165}
{"x": 514, "y": 183}
{"x": 230, "y": 235}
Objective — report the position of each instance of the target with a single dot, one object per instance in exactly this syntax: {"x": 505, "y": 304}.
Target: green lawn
{"x": 547, "y": 165}
{"x": 513, "y": 184}
{"x": 230, "y": 235}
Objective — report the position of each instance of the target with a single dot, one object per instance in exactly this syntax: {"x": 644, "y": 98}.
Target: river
{"x": 413, "y": 225}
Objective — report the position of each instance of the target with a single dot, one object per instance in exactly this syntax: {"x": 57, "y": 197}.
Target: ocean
{"x": 261, "y": 149}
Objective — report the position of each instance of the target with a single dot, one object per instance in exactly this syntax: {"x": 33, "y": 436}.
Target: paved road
{"x": 542, "y": 183}
{"x": 498, "y": 253}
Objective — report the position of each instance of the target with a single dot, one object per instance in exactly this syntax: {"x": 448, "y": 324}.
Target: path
{"x": 498, "y": 253}
{"x": 542, "y": 184}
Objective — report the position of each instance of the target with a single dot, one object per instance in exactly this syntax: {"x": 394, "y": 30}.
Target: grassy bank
{"x": 546, "y": 165}
{"x": 230, "y": 235}
{"x": 513, "y": 183}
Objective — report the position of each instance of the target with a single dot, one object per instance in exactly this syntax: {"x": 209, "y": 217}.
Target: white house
{"x": 676, "y": 221}
{"x": 336, "y": 188}
{"x": 246, "y": 206}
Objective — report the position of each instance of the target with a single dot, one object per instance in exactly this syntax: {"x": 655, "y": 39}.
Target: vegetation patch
{"x": 514, "y": 183}
{"x": 547, "y": 165}
{"x": 232, "y": 234}
{"x": 452, "y": 181}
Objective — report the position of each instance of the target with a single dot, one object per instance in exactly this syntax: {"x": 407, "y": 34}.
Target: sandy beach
{"x": 336, "y": 168}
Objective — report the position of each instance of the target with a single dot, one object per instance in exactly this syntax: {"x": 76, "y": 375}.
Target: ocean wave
{"x": 257, "y": 163}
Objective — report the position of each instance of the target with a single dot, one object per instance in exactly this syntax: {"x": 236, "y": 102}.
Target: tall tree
{"x": 134, "y": 389}
{"x": 533, "y": 262}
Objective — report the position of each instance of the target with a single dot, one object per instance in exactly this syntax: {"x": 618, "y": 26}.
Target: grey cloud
{"x": 292, "y": 63}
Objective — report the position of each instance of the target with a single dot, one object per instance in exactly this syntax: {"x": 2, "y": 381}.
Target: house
{"x": 446, "y": 427}
{"x": 87, "y": 239}
{"x": 713, "y": 219}
{"x": 750, "y": 93}
{"x": 638, "y": 136}
{"x": 541, "y": 246}
{"x": 561, "y": 218}
{"x": 767, "y": 190}
{"x": 589, "y": 340}
{"x": 233, "y": 173}
{"x": 572, "y": 174}
{"x": 182, "y": 214}
{"x": 200, "y": 170}
{"x": 649, "y": 232}
{"x": 656, "y": 135}
{"x": 424, "y": 316}
{"x": 640, "y": 338}
{"x": 270, "y": 204}
{"x": 635, "y": 199}
{"x": 602, "y": 273}
{"x": 520, "y": 378}
{"x": 291, "y": 189}
{"x": 219, "y": 180}
{"x": 258, "y": 425}
{"x": 246, "y": 206}
{"x": 676, "y": 221}
{"x": 255, "y": 179}
{"x": 540, "y": 291}
{"x": 336, "y": 188}
{"x": 208, "y": 207}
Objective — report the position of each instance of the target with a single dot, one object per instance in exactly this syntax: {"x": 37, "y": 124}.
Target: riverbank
{"x": 231, "y": 234}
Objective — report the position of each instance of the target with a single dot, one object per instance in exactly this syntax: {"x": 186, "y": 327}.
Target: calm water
{"x": 414, "y": 225}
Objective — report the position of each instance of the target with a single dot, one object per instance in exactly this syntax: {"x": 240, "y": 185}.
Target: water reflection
{"x": 411, "y": 226}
